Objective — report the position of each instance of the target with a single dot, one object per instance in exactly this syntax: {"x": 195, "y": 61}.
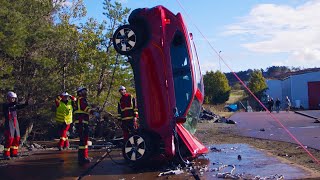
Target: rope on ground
{"x": 118, "y": 163}
{"x": 186, "y": 163}
{"x": 171, "y": 172}
{"x": 107, "y": 153}
{"x": 93, "y": 166}
{"x": 226, "y": 175}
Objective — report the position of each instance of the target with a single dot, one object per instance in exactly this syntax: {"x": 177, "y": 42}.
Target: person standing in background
{"x": 270, "y": 104}
{"x": 64, "y": 103}
{"x": 127, "y": 112}
{"x": 288, "y": 104}
{"x": 12, "y": 130}
{"x": 278, "y": 103}
{"x": 82, "y": 111}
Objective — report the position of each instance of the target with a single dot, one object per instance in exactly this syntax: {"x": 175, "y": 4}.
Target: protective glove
{"x": 73, "y": 98}
{"x": 135, "y": 123}
{"x": 97, "y": 115}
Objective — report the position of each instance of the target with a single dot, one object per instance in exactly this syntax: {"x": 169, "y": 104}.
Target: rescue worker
{"x": 270, "y": 104}
{"x": 278, "y": 104}
{"x": 12, "y": 131}
{"x": 64, "y": 103}
{"x": 127, "y": 112}
{"x": 82, "y": 110}
{"x": 288, "y": 104}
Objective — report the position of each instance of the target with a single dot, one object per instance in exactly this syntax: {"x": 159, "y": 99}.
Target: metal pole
{"x": 220, "y": 60}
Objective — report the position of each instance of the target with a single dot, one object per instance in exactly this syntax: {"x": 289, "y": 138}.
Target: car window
{"x": 196, "y": 67}
{"x": 181, "y": 72}
{"x": 193, "y": 116}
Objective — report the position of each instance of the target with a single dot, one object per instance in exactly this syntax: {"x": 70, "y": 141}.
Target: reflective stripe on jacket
{"x": 127, "y": 107}
{"x": 82, "y": 106}
{"x": 82, "y": 111}
{"x": 64, "y": 112}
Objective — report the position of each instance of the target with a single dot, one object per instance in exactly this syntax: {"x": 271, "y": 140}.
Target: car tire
{"x": 138, "y": 148}
{"x": 126, "y": 39}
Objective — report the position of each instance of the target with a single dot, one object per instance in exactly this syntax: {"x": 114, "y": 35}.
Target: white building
{"x": 302, "y": 89}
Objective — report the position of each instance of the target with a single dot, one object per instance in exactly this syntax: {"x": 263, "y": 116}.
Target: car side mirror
{"x": 191, "y": 36}
{"x": 181, "y": 119}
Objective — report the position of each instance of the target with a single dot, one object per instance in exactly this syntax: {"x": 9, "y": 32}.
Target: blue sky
{"x": 251, "y": 34}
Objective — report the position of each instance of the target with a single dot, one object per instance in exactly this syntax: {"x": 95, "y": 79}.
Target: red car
{"x": 168, "y": 82}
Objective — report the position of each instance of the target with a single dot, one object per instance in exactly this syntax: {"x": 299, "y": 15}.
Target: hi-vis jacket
{"x": 64, "y": 111}
{"x": 82, "y": 111}
{"x": 127, "y": 108}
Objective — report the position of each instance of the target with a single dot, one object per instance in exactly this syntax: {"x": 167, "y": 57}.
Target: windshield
{"x": 193, "y": 116}
{"x": 181, "y": 72}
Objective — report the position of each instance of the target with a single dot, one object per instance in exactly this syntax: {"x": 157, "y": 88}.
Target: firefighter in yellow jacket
{"x": 64, "y": 103}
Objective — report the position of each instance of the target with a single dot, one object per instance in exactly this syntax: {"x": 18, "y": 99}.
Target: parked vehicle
{"x": 169, "y": 85}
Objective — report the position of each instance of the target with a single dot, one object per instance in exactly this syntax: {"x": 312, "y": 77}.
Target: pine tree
{"x": 257, "y": 83}
{"x": 217, "y": 89}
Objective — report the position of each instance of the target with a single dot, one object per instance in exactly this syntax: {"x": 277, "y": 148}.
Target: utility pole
{"x": 64, "y": 72}
{"x": 220, "y": 60}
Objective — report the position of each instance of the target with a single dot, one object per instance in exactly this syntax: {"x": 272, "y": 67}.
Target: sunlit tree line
{"x": 50, "y": 46}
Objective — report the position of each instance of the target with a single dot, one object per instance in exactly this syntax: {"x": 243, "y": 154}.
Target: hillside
{"x": 273, "y": 72}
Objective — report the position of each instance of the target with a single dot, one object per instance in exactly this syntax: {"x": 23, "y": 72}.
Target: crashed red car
{"x": 168, "y": 82}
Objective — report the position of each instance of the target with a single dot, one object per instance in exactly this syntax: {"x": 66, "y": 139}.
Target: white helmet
{"x": 122, "y": 88}
{"x": 11, "y": 94}
{"x": 81, "y": 89}
{"x": 65, "y": 94}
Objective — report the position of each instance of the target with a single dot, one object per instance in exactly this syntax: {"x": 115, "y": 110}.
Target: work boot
{"x": 14, "y": 155}
{"x": 6, "y": 157}
{"x": 84, "y": 161}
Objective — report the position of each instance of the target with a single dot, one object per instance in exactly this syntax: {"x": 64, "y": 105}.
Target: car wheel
{"x": 126, "y": 39}
{"x": 137, "y": 148}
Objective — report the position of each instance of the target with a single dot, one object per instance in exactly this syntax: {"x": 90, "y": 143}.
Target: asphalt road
{"x": 278, "y": 126}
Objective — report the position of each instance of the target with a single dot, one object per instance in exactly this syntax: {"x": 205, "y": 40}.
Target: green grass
{"x": 235, "y": 97}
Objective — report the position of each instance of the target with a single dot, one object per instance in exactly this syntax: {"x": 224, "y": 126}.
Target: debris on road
{"x": 210, "y": 116}
{"x": 34, "y": 146}
{"x": 232, "y": 175}
{"x": 214, "y": 149}
{"x": 171, "y": 172}
{"x": 231, "y": 107}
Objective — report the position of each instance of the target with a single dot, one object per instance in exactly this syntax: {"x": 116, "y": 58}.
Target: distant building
{"x": 275, "y": 89}
{"x": 302, "y": 89}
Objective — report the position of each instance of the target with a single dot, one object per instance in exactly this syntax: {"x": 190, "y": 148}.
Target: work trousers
{"x": 12, "y": 138}
{"x": 62, "y": 130}
{"x": 127, "y": 128}
{"x": 83, "y": 132}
